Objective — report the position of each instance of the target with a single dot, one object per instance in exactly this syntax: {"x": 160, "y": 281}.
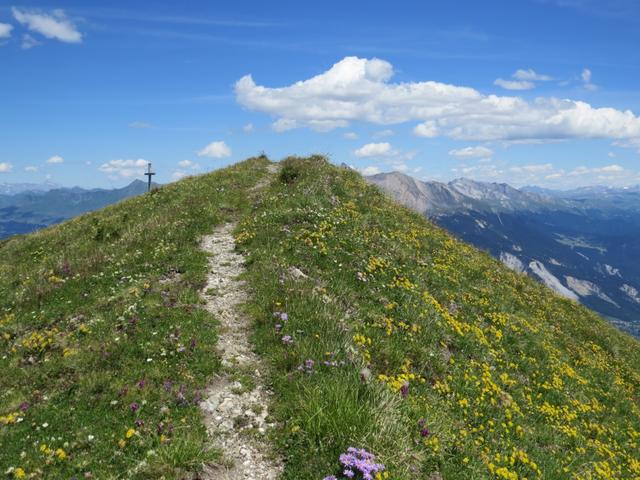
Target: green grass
{"x": 510, "y": 380}
{"x": 408, "y": 329}
{"x": 94, "y": 306}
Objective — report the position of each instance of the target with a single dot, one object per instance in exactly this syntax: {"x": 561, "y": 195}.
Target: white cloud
{"x": 215, "y": 150}
{"x": 533, "y": 168}
{"x": 5, "y": 167}
{"x": 29, "y": 42}
{"x": 177, "y": 175}
{"x": 514, "y": 84}
{"x": 427, "y": 129}
{"x": 530, "y": 75}
{"x": 608, "y": 169}
{"x": 248, "y": 128}
{"x": 55, "y": 159}
{"x": 383, "y": 133}
{"x": 611, "y": 155}
{"x": 5, "y": 30}
{"x": 140, "y": 125}
{"x": 471, "y": 152}
{"x": 374, "y": 150}
{"x": 124, "y": 168}
{"x": 55, "y": 25}
{"x": 357, "y": 89}
{"x": 350, "y": 136}
{"x": 586, "y": 80}
{"x": 189, "y": 164}
{"x": 370, "y": 170}
{"x": 31, "y": 168}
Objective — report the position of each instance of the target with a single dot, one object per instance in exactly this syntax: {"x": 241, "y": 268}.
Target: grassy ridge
{"x": 381, "y": 330}
{"x": 104, "y": 345}
{"x": 400, "y": 339}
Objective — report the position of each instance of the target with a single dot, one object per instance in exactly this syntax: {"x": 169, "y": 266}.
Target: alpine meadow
{"x": 390, "y": 349}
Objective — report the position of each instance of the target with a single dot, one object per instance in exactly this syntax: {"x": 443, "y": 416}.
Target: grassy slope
{"x": 510, "y": 380}
{"x": 94, "y": 323}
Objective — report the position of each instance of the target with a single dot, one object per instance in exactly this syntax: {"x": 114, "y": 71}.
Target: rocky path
{"x": 235, "y": 411}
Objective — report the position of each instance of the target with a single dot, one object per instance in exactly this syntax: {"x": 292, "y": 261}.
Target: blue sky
{"x": 524, "y": 91}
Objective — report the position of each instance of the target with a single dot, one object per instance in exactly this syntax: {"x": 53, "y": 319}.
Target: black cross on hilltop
{"x": 149, "y": 174}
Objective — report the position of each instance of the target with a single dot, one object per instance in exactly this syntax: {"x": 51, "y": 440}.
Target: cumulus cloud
{"x": 428, "y": 129}
{"x": 5, "y": 167}
{"x": 522, "y": 80}
{"x": 358, "y": 89}
{"x": 471, "y": 152}
{"x": 124, "y": 168}
{"x": 514, "y": 84}
{"x": 31, "y": 168}
{"x": 530, "y": 75}
{"x": 5, "y": 30}
{"x": 374, "y": 150}
{"x": 248, "y": 128}
{"x": 55, "y": 25}
{"x": 177, "y": 175}
{"x": 370, "y": 170}
{"x": 189, "y": 164}
{"x": 215, "y": 150}
{"x": 55, "y": 159}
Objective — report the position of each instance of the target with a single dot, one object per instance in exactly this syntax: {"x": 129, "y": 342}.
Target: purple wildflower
{"x": 424, "y": 432}
{"x": 404, "y": 389}
{"x": 135, "y": 406}
{"x": 287, "y": 339}
{"x": 284, "y": 317}
{"x": 139, "y": 423}
{"x": 142, "y": 383}
{"x": 24, "y": 406}
{"x": 359, "y": 461}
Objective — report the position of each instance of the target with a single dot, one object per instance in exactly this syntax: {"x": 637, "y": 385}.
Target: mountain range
{"x": 581, "y": 243}
{"x": 25, "y": 208}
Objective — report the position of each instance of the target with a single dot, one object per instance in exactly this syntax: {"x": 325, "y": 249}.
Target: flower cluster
{"x": 357, "y": 463}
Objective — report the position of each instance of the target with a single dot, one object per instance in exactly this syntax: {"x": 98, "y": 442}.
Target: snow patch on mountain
{"x": 614, "y": 272}
{"x": 585, "y": 288}
{"x": 511, "y": 261}
{"x": 550, "y": 280}
{"x": 631, "y": 292}
{"x": 584, "y": 256}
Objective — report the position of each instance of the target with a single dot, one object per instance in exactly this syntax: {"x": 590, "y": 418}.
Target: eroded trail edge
{"x": 235, "y": 412}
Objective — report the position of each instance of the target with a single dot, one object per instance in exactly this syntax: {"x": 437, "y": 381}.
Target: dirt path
{"x": 235, "y": 412}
